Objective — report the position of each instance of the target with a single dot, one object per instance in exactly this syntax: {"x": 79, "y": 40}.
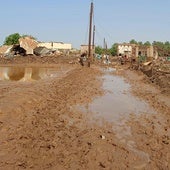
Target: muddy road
{"x": 64, "y": 116}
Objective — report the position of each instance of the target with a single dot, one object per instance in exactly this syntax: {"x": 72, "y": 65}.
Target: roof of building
{"x": 26, "y": 42}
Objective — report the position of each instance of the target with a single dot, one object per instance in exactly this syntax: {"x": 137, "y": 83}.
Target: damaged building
{"x": 55, "y": 45}
{"x": 25, "y": 47}
{"x": 29, "y": 46}
{"x": 5, "y": 49}
{"x": 12, "y": 50}
{"x": 85, "y": 49}
{"x": 133, "y": 50}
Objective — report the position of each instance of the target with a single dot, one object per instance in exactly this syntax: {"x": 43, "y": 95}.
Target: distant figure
{"x": 125, "y": 58}
{"x": 107, "y": 59}
{"x": 120, "y": 58}
{"x": 81, "y": 60}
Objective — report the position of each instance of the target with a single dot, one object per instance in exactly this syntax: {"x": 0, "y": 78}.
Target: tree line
{"x": 164, "y": 46}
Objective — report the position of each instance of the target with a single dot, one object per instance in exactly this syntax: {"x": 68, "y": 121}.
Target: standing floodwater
{"x": 116, "y": 106}
{"x": 117, "y": 102}
{"x": 13, "y": 73}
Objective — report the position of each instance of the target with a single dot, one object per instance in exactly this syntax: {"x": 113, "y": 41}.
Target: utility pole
{"x": 93, "y": 33}
{"x": 105, "y": 46}
{"x": 93, "y": 39}
{"x": 90, "y": 34}
{"x": 104, "y": 42}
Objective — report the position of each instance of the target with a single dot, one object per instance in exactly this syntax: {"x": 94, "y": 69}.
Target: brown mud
{"x": 41, "y": 128}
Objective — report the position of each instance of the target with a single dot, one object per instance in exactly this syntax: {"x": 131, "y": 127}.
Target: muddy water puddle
{"x": 117, "y": 106}
{"x": 14, "y": 73}
{"x": 117, "y": 103}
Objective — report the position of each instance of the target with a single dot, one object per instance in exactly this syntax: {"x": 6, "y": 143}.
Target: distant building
{"x": 133, "y": 50}
{"x": 126, "y": 49}
{"x": 85, "y": 49}
{"x": 30, "y": 45}
{"x": 55, "y": 45}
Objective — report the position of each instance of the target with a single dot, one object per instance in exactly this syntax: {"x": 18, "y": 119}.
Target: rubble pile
{"x": 27, "y": 46}
{"x": 162, "y": 78}
{"x": 159, "y": 73}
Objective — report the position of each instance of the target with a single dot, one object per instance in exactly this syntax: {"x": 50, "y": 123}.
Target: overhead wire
{"x": 86, "y": 35}
{"x": 87, "y": 30}
{"x": 100, "y": 28}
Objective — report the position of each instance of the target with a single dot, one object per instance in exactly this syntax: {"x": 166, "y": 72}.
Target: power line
{"x": 86, "y": 35}
{"x": 103, "y": 30}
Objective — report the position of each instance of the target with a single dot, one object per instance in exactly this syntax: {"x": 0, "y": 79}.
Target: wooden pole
{"x": 90, "y": 34}
{"x": 104, "y": 42}
{"x": 105, "y": 46}
{"x": 93, "y": 42}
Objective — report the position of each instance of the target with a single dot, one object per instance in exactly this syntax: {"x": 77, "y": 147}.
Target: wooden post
{"x": 90, "y": 34}
{"x": 93, "y": 42}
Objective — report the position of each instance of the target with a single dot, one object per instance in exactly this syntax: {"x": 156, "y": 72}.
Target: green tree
{"x": 163, "y": 48}
{"x": 12, "y": 39}
{"x": 158, "y": 44}
{"x": 113, "y": 49}
{"x": 167, "y": 46}
{"x": 98, "y": 50}
{"x": 167, "y": 43}
{"x": 140, "y": 43}
{"x": 133, "y": 41}
{"x": 147, "y": 43}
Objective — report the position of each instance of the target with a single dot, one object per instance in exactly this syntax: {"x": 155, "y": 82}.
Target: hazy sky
{"x": 68, "y": 20}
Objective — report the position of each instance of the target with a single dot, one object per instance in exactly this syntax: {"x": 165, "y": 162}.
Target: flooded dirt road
{"x": 82, "y": 118}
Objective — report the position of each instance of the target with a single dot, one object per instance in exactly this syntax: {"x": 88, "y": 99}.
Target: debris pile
{"x": 4, "y": 50}
{"x": 158, "y": 73}
{"x": 41, "y": 51}
{"x": 161, "y": 76}
{"x": 12, "y": 50}
{"x": 29, "y": 46}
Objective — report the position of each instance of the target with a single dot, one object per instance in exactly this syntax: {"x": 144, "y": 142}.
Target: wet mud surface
{"x": 86, "y": 118}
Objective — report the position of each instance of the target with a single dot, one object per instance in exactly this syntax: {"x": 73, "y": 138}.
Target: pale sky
{"x": 68, "y": 20}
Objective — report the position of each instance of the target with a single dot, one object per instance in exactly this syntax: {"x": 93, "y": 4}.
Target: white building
{"x": 55, "y": 45}
{"x": 85, "y": 49}
{"x": 133, "y": 50}
{"x": 125, "y": 49}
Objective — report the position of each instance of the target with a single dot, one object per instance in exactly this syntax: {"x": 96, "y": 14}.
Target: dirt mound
{"x": 39, "y": 60}
{"x": 159, "y": 74}
{"x": 163, "y": 80}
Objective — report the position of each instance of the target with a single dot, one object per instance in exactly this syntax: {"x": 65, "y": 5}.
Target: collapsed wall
{"x": 160, "y": 75}
{"x": 28, "y": 44}
{"x": 162, "y": 79}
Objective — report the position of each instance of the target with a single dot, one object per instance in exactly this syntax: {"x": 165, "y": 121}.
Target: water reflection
{"x": 118, "y": 102}
{"x": 27, "y": 73}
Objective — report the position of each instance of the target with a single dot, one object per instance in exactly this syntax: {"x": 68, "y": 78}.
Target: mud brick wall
{"x": 162, "y": 79}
